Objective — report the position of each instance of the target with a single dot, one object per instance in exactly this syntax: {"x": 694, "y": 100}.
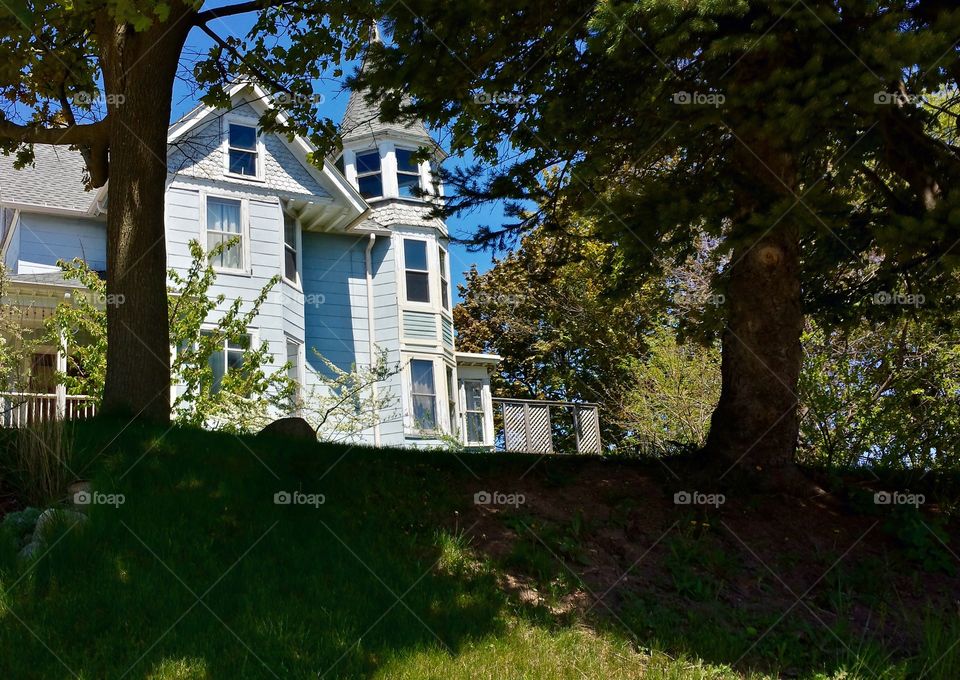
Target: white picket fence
{"x": 22, "y": 408}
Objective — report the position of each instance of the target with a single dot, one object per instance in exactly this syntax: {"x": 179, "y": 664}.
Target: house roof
{"x": 54, "y": 181}
{"x": 362, "y": 119}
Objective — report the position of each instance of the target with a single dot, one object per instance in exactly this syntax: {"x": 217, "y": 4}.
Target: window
{"x": 417, "y": 273}
{"x": 452, "y": 401}
{"x": 369, "y": 179}
{"x": 424, "y": 394}
{"x": 408, "y": 173}
{"x": 444, "y": 280}
{"x": 290, "y": 248}
{"x": 242, "y": 150}
{"x": 224, "y": 227}
{"x": 227, "y": 359}
{"x": 474, "y": 410}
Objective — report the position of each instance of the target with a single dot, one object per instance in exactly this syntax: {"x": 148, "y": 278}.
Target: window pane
{"x": 444, "y": 283}
{"x": 243, "y": 162}
{"x": 290, "y": 264}
{"x": 370, "y": 186}
{"x": 368, "y": 162}
{"x": 474, "y": 427}
{"x": 290, "y": 231}
{"x": 425, "y": 413}
{"x": 474, "y": 390}
{"x": 405, "y": 162}
{"x": 415, "y": 254}
{"x": 421, "y": 374}
{"x": 409, "y": 185}
{"x": 243, "y": 136}
{"x": 418, "y": 287}
{"x": 232, "y": 256}
{"x": 223, "y": 215}
{"x": 234, "y": 359}
{"x": 217, "y": 365}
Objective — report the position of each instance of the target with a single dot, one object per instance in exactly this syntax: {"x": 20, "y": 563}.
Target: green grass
{"x": 199, "y": 574}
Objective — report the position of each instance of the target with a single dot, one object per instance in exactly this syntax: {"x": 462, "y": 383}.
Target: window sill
{"x": 293, "y": 284}
{"x": 233, "y": 272}
{"x": 245, "y": 178}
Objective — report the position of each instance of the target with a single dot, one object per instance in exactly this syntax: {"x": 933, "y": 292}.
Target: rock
{"x": 290, "y": 428}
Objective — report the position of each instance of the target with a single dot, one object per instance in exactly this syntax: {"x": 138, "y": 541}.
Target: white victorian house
{"x": 363, "y": 264}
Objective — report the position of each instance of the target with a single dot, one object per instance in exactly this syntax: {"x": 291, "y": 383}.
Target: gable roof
{"x": 362, "y": 119}
{"x": 55, "y": 181}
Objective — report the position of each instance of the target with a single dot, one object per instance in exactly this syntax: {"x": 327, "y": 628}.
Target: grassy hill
{"x": 397, "y": 573}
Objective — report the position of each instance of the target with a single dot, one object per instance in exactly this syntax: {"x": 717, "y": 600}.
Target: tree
{"x": 98, "y": 77}
{"x": 239, "y": 401}
{"x": 755, "y": 123}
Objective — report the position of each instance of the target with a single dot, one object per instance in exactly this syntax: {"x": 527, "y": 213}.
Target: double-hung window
{"x": 369, "y": 176}
{"x": 423, "y": 394}
{"x": 290, "y": 248}
{"x": 242, "y": 150}
{"x": 444, "y": 280}
{"x": 408, "y": 173}
{"x": 417, "y": 273}
{"x": 226, "y": 359}
{"x": 224, "y": 226}
{"x": 473, "y": 411}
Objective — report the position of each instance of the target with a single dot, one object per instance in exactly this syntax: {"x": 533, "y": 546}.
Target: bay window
{"x": 423, "y": 394}
{"x": 417, "y": 273}
{"x": 369, "y": 175}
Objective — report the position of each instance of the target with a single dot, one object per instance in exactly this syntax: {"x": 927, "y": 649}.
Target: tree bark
{"x": 755, "y": 426}
{"x": 139, "y": 70}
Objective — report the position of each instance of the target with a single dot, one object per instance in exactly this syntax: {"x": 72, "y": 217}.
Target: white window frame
{"x": 412, "y": 427}
{"x": 245, "y": 263}
{"x": 465, "y": 412}
{"x": 443, "y": 266}
{"x": 422, "y": 184}
{"x": 252, "y": 334}
{"x": 300, "y": 372}
{"x": 246, "y": 121}
{"x": 432, "y": 304}
{"x": 357, "y": 175}
{"x": 298, "y": 245}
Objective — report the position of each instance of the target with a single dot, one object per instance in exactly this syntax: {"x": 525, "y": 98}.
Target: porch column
{"x": 61, "y": 389}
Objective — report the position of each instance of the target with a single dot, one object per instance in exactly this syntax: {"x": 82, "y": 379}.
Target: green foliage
{"x": 924, "y": 540}
{"x": 15, "y": 343}
{"x": 884, "y": 392}
{"x": 241, "y": 400}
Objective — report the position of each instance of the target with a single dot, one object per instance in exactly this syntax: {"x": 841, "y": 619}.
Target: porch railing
{"x": 23, "y": 408}
{"x": 539, "y": 426}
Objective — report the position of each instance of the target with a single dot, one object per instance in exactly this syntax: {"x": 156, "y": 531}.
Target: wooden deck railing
{"x": 23, "y": 408}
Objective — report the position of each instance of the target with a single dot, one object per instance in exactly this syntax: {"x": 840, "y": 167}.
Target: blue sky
{"x": 334, "y": 103}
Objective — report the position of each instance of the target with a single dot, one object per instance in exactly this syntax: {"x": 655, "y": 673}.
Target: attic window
{"x": 243, "y": 150}
{"x": 369, "y": 177}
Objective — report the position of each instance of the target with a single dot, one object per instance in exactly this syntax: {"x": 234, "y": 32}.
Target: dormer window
{"x": 369, "y": 176}
{"x": 408, "y": 174}
{"x": 242, "y": 150}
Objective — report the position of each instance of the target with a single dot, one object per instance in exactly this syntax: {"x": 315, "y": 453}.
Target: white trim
{"x": 246, "y": 268}
{"x": 8, "y": 237}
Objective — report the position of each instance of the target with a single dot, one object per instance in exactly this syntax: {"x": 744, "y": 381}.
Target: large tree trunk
{"x": 139, "y": 84}
{"x": 755, "y": 426}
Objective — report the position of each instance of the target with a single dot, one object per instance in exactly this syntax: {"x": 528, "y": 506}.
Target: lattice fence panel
{"x": 588, "y": 430}
{"x": 541, "y": 434}
{"x": 514, "y": 428}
